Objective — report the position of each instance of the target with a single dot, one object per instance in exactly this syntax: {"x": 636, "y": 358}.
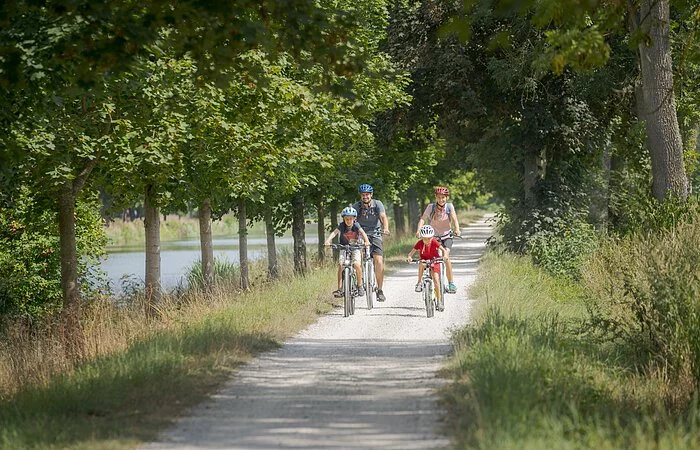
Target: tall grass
{"x": 528, "y": 373}
{"x": 645, "y": 292}
{"x": 140, "y": 374}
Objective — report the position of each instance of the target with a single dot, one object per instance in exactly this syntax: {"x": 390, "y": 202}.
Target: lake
{"x": 177, "y": 256}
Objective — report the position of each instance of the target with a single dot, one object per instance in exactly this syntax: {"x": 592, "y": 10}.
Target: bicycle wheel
{"x": 353, "y": 291}
{"x": 442, "y": 290}
{"x": 428, "y": 297}
{"x": 347, "y": 291}
{"x": 369, "y": 283}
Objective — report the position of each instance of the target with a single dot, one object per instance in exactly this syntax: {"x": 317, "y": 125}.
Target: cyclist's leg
{"x": 447, "y": 243}
{"x": 378, "y": 256}
{"x": 436, "y": 279}
{"x": 377, "y": 252}
{"x": 339, "y": 292}
{"x": 419, "y": 285}
{"x": 357, "y": 264}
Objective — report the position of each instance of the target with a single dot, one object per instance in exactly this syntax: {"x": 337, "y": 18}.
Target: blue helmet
{"x": 366, "y": 188}
{"x": 349, "y": 211}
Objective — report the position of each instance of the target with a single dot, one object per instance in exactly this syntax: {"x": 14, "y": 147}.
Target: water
{"x": 177, "y": 256}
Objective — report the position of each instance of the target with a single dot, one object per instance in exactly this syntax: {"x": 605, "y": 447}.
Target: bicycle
{"x": 349, "y": 277}
{"x": 368, "y": 276}
{"x": 369, "y": 273}
{"x": 431, "y": 302}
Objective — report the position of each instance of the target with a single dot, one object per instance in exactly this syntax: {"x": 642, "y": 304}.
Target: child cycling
{"x": 442, "y": 217}
{"x": 428, "y": 248}
{"x": 351, "y": 233}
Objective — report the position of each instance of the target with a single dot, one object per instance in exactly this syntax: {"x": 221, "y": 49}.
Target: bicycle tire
{"x": 443, "y": 288}
{"x": 428, "y": 297}
{"x": 353, "y": 291}
{"x": 369, "y": 284}
{"x": 347, "y": 292}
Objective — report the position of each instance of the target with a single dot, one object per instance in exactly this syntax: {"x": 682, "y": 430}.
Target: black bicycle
{"x": 349, "y": 277}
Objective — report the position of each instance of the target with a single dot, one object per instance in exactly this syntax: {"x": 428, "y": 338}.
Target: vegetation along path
{"x": 366, "y": 381}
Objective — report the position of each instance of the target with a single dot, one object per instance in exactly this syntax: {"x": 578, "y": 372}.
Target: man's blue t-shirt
{"x": 369, "y": 216}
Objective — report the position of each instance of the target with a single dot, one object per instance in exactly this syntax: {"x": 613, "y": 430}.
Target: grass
{"x": 141, "y": 375}
{"x": 528, "y": 373}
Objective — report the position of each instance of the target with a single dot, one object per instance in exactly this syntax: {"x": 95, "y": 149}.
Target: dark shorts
{"x": 376, "y": 245}
{"x": 445, "y": 242}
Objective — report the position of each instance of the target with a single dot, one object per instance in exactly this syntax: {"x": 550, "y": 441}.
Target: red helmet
{"x": 442, "y": 190}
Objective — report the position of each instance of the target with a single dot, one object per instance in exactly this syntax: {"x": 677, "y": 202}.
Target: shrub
{"x": 563, "y": 247}
{"x": 645, "y": 290}
{"x": 30, "y": 272}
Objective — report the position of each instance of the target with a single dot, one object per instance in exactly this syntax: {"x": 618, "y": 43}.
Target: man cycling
{"x": 441, "y": 216}
{"x": 372, "y": 217}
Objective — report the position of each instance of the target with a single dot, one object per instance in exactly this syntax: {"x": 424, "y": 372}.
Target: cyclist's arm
{"x": 421, "y": 222}
{"x": 455, "y": 222}
{"x": 365, "y": 239}
{"x": 385, "y": 222}
{"x": 409, "y": 258}
{"x": 331, "y": 236}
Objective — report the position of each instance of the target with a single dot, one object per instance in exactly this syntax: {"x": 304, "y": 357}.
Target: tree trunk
{"x": 72, "y": 323}
{"x": 399, "y": 219}
{"x": 530, "y": 172}
{"x": 243, "y": 244}
{"x": 663, "y": 133}
{"x": 414, "y": 211}
{"x": 321, "y": 230}
{"x": 152, "y": 228}
{"x": 298, "y": 234}
{"x": 600, "y": 193}
{"x": 272, "y": 267}
{"x": 207, "y": 247}
{"x": 333, "y": 213}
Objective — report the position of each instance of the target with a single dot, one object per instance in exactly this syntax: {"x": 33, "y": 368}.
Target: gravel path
{"x": 366, "y": 381}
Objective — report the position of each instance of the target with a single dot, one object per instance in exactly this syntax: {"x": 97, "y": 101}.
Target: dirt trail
{"x": 366, "y": 381}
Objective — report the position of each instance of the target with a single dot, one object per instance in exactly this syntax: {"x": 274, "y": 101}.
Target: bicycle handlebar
{"x": 346, "y": 247}
{"x": 426, "y": 261}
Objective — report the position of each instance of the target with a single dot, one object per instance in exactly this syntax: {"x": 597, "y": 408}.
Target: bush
{"x": 30, "y": 271}
{"x": 563, "y": 247}
{"x": 645, "y": 290}
{"x": 558, "y": 240}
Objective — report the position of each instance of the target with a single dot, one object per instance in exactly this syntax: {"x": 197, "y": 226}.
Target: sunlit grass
{"x": 140, "y": 374}
{"x": 527, "y": 373}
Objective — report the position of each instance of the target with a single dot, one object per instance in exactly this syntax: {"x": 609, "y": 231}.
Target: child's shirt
{"x": 350, "y": 235}
{"x": 429, "y": 251}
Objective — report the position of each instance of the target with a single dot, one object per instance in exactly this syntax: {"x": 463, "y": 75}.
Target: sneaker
{"x": 451, "y": 288}
{"x": 338, "y": 293}
{"x": 360, "y": 291}
{"x": 419, "y": 287}
{"x": 380, "y": 295}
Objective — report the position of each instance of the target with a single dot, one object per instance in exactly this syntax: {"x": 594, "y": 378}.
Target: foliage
{"x": 644, "y": 290}
{"x": 30, "y": 276}
{"x": 562, "y": 248}
{"x": 555, "y": 233}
